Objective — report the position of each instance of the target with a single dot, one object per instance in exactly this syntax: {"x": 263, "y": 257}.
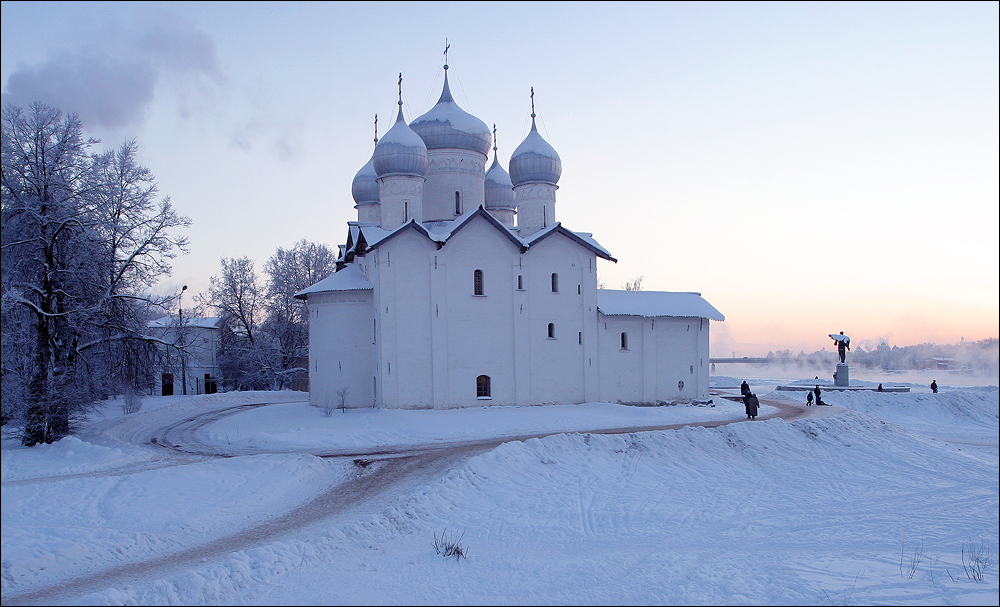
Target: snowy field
{"x": 870, "y": 501}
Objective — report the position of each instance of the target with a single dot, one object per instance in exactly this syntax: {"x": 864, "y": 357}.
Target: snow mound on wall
{"x": 967, "y": 406}
{"x": 966, "y": 414}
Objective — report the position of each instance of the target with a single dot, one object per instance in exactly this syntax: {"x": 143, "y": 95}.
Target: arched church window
{"x": 624, "y": 340}
{"x": 483, "y": 386}
{"x": 458, "y": 203}
{"x": 555, "y": 282}
{"x": 477, "y": 282}
{"x": 552, "y": 330}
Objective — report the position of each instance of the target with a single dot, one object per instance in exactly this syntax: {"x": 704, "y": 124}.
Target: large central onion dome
{"x": 400, "y": 151}
{"x": 447, "y": 126}
{"x": 535, "y": 161}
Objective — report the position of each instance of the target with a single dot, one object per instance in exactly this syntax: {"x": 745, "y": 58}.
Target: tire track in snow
{"x": 394, "y": 468}
{"x": 384, "y": 476}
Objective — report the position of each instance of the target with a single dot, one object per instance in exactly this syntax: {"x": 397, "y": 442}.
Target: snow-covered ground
{"x": 870, "y": 501}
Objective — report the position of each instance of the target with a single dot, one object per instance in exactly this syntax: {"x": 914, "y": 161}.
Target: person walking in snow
{"x": 817, "y": 392}
{"x": 752, "y": 404}
{"x": 744, "y": 388}
{"x": 934, "y": 386}
{"x": 809, "y": 398}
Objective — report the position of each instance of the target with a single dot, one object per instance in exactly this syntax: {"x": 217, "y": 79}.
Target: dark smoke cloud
{"x": 110, "y": 79}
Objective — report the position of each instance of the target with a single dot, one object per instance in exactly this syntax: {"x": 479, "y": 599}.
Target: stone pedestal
{"x": 842, "y": 377}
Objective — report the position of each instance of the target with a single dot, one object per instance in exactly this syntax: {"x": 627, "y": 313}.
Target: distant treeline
{"x": 975, "y": 357}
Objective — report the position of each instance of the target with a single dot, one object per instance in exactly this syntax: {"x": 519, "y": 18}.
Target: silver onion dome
{"x": 400, "y": 151}
{"x": 447, "y": 126}
{"x": 499, "y": 189}
{"x": 364, "y": 188}
{"x": 535, "y": 160}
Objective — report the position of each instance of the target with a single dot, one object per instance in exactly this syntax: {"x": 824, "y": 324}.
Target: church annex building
{"x": 457, "y": 287}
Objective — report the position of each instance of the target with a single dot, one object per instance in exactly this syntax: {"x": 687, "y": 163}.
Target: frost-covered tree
{"x": 82, "y": 239}
{"x": 135, "y": 230}
{"x": 246, "y": 354}
{"x": 265, "y": 329}
{"x": 634, "y": 285}
{"x": 288, "y": 272}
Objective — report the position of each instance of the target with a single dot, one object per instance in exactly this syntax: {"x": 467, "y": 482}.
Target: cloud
{"x": 110, "y": 79}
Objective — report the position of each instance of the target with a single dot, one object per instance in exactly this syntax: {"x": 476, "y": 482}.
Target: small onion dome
{"x": 447, "y": 126}
{"x": 365, "y": 189}
{"x": 535, "y": 160}
{"x": 400, "y": 151}
{"x": 499, "y": 189}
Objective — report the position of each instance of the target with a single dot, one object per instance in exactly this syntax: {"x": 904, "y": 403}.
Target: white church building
{"x": 458, "y": 287}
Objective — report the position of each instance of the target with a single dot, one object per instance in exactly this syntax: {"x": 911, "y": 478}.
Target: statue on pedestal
{"x": 843, "y": 344}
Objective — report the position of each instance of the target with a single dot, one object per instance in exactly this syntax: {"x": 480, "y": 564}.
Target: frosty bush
{"x": 330, "y": 405}
{"x": 449, "y": 547}
{"x": 131, "y": 402}
{"x": 976, "y": 559}
{"x": 915, "y": 558}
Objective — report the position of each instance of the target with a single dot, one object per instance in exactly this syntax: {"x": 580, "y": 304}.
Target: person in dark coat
{"x": 744, "y": 389}
{"x": 817, "y": 393}
{"x": 934, "y": 386}
{"x": 752, "y": 404}
{"x": 880, "y": 387}
{"x": 809, "y": 398}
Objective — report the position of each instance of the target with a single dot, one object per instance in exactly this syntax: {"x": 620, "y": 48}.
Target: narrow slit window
{"x": 552, "y": 330}
{"x": 477, "y": 282}
{"x": 458, "y": 203}
{"x": 520, "y": 282}
{"x": 624, "y": 340}
{"x": 406, "y": 211}
{"x": 483, "y": 386}
{"x": 555, "y": 282}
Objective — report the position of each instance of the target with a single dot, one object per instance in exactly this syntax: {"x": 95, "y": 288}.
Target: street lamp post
{"x": 180, "y": 329}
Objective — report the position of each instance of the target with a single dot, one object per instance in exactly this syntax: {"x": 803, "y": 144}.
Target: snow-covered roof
{"x": 351, "y": 278}
{"x": 655, "y": 303}
{"x": 441, "y": 231}
{"x": 584, "y": 238}
{"x": 365, "y": 236}
{"x": 208, "y": 322}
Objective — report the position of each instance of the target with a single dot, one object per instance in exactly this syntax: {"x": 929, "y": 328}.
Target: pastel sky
{"x": 809, "y": 168}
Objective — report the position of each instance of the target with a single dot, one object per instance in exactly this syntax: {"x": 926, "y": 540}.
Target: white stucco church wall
{"x": 440, "y": 300}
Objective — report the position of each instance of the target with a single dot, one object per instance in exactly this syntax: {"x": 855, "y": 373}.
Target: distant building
{"x": 191, "y": 356}
{"x": 441, "y": 300}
